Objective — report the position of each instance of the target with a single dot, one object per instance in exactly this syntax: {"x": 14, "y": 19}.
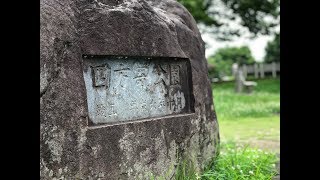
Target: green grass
{"x": 250, "y": 118}
{"x": 247, "y": 122}
{"x": 186, "y": 171}
{"x": 263, "y": 102}
{"x": 236, "y": 162}
{"x": 263, "y": 128}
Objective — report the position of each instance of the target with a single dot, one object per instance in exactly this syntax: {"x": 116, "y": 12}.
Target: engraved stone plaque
{"x": 131, "y": 88}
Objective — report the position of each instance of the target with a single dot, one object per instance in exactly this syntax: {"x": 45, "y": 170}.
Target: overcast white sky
{"x": 257, "y": 46}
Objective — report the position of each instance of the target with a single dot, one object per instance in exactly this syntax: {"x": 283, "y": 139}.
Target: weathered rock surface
{"x": 69, "y": 148}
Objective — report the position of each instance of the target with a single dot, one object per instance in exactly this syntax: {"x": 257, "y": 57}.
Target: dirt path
{"x": 268, "y": 145}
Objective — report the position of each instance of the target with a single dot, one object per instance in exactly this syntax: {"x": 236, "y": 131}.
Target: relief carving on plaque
{"x": 136, "y": 89}
{"x": 100, "y": 75}
{"x": 175, "y": 74}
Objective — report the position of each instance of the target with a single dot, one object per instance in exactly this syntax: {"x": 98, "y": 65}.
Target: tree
{"x": 223, "y": 59}
{"x": 273, "y": 50}
{"x": 258, "y": 16}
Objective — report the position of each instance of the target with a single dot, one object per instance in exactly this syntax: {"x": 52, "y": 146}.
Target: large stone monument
{"x": 124, "y": 90}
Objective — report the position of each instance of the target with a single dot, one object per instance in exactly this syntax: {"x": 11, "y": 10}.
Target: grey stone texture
{"x": 69, "y": 147}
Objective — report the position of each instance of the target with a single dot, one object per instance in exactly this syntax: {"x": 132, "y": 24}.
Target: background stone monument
{"x": 124, "y": 90}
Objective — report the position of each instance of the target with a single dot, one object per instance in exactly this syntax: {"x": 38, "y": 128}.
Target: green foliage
{"x": 273, "y": 50}
{"x": 200, "y": 11}
{"x": 253, "y": 13}
{"x": 219, "y": 68}
{"x": 240, "y": 55}
{"x": 223, "y": 59}
{"x": 256, "y": 16}
{"x": 186, "y": 171}
{"x": 236, "y": 162}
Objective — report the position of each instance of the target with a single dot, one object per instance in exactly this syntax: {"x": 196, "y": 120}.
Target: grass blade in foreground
{"x": 242, "y": 163}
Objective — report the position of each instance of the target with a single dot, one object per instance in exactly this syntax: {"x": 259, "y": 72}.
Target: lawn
{"x": 252, "y": 119}
{"x": 250, "y": 134}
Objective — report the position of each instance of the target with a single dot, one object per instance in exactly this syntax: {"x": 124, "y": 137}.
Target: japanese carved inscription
{"x": 132, "y": 88}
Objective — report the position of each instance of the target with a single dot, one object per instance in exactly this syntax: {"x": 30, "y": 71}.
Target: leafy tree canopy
{"x": 258, "y": 16}
{"x": 240, "y": 55}
{"x": 273, "y": 50}
{"x": 223, "y": 59}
